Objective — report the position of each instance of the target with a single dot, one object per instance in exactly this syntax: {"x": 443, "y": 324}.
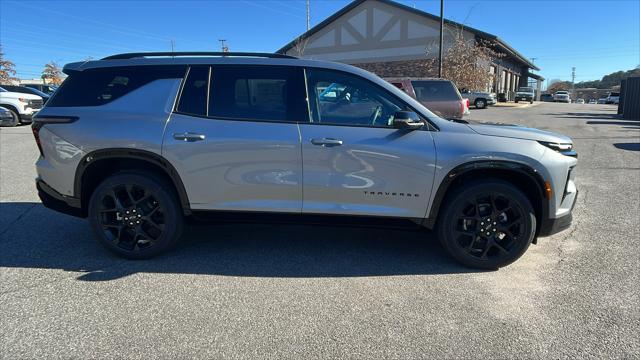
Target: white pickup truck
{"x": 562, "y": 96}
{"x": 22, "y": 106}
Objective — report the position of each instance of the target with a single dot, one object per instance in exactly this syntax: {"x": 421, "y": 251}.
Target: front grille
{"x": 36, "y": 104}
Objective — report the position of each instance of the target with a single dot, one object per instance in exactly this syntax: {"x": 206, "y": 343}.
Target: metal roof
{"x": 500, "y": 44}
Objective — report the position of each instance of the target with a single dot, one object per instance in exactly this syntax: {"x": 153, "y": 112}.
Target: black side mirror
{"x": 407, "y": 120}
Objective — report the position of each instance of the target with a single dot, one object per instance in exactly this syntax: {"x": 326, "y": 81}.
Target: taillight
{"x": 35, "y": 129}
{"x": 467, "y": 103}
{"x": 40, "y": 121}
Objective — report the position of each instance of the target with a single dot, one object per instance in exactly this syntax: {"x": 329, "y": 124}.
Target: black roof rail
{"x": 196, "y": 53}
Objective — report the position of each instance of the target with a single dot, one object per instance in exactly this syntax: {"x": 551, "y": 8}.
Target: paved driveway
{"x": 265, "y": 291}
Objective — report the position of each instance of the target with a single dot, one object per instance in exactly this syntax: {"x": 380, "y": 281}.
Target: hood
{"x": 517, "y": 132}
{"x": 16, "y": 95}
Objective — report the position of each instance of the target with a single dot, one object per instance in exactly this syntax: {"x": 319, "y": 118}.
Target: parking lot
{"x": 294, "y": 291}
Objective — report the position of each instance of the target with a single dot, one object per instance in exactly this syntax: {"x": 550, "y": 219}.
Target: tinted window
{"x": 193, "y": 99}
{"x": 257, "y": 93}
{"x": 343, "y": 99}
{"x": 101, "y": 86}
{"x": 437, "y": 90}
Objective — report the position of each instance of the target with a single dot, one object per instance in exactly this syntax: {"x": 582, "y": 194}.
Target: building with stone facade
{"x": 392, "y": 40}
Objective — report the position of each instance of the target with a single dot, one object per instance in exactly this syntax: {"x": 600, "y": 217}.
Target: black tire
{"x": 15, "y": 116}
{"x": 480, "y": 103}
{"x": 487, "y": 225}
{"x": 516, "y": 101}
{"x": 146, "y": 219}
{"x": 530, "y": 101}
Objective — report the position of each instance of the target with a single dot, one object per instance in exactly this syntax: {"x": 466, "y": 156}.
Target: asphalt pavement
{"x": 301, "y": 291}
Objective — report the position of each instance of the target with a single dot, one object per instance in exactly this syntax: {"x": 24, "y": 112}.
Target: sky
{"x": 595, "y": 37}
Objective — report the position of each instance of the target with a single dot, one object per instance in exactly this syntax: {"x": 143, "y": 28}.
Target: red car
{"x": 438, "y": 95}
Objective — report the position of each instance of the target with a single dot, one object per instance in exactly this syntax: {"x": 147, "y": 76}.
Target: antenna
{"x": 223, "y": 45}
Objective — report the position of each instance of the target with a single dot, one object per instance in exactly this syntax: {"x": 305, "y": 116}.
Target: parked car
{"x": 580, "y": 101}
{"x": 525, "y": 93}
{"x": 274, "y": 134}
{"x": 562, "y": 96}
{"x": 546, "y": 97}
{"x": 47, "y": 89}
{"x": 592, "y": 101}
{"x": 613, "y": 98}
{"x": 479, "y": 99}
{"x": 22, "y": 106}
{"x": 6, "y": 118}
{"x": 438, "y": 95}
{"x": 602, "y": 101}
{"x": 27, "y": 90}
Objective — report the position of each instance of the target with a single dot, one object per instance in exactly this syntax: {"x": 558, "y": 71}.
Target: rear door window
{"x": 435, "y": 91}
{"x": 96, "y": 87}
{"x": 258, "y": 93}
{"x": 193, "y": 100}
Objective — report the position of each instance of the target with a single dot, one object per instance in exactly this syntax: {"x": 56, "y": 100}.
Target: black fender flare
{"x": 137, "y": 154}
{"x": 465, "y": 168}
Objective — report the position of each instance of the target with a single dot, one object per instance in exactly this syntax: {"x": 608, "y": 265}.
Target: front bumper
{"x": 55, "y": 201}
{"x": 550, "y": 226}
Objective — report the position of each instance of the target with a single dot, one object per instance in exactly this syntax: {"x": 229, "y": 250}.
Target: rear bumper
{"x": 55, "y": 201}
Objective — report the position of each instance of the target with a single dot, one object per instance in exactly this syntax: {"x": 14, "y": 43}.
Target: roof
{"x": 500, "y": 44}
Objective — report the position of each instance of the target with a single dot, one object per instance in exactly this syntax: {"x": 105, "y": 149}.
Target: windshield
{"x": 526, "y": 89}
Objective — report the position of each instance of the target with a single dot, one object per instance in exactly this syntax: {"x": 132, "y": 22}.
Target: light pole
{"x": 441, "y": 38}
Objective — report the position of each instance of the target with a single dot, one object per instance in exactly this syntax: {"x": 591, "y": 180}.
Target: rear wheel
{"x": 135, "y": 215}
{"x": 487, "y": 225}
{"x": 480, "y": 104}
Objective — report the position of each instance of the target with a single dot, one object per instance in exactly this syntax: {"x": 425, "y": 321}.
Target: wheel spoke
{"x": 119, "y": 206}
{"x": 499, "y": 247}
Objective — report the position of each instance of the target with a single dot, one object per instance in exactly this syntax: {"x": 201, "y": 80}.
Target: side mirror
{"x": 407, "y": 120}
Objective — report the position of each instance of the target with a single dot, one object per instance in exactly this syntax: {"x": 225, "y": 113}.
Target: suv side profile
{"x": 139, "y": 142}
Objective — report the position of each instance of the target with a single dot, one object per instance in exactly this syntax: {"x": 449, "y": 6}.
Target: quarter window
{"x": 342, "y": 99}
{"x": 96, "y": 87}
{"x": 257, "y": 93}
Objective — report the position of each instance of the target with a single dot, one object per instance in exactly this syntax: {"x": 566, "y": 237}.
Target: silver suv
{"x": 137, "y": 143}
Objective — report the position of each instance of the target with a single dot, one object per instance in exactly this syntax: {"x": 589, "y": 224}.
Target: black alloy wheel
{"x": 135, "y": 215}
{"x": 480, "y": 104}
{"x": 488, "y": 225}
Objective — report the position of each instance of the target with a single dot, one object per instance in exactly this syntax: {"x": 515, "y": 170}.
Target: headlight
{"x": 564, "y": 149}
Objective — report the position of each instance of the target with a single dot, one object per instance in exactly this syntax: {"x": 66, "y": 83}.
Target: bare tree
{"x": 7, "y": 69}
{"x": 299, "y": 46}
{"x": 52, "y": 73}
{"x": 465, "y": 62}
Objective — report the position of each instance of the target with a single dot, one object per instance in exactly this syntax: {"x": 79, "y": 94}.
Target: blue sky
{"x": 597, "y": 37}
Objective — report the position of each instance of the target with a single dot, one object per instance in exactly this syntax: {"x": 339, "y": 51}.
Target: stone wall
{"x": 404, "y": 68}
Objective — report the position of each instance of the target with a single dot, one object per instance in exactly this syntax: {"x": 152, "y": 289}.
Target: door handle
{"x": 188, "y": 137}
{"x": 326, "y": 142}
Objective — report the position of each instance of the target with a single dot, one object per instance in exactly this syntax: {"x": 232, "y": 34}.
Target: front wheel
{"x": 135, "y": 214}
{"x": 487, "y": 225}
{"x": 480, "y": 104}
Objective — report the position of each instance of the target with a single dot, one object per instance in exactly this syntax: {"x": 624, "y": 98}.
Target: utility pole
{"x": 441, "y": 38}
{"x": 308, "y": 16}
{"x": 223, "y": 45}
{"x": 573, "y": 81}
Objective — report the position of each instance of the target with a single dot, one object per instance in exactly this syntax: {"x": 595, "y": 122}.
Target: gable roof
{"x": 499, "y": 43}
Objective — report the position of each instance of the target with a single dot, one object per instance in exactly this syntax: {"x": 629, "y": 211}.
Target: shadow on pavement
{"x": 586, "y": 115}
{"x": 628, "y": 146}
{"x": 41, "y": 238}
